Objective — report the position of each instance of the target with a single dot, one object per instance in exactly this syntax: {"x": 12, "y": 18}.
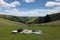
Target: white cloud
{"x": 16, "y": 12}
{"x": 29, "y": 1}
{"x": 15, "y": 3}
{"x": 34, "y": 12}
{"x": 50, "y": 11}
{"x": 57, "y": 0}
{"x": 5, "y": 4}
{"x": 51, "y": 4}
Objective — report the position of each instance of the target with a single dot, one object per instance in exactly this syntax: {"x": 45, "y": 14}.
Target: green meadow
{"x": 50, "y": 31}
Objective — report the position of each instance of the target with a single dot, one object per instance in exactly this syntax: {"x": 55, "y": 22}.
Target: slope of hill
{"x": 53, "y": 23}
{"x": 8, "y": 23}
{"x": 55, "y": 16}
{"x": 18, "y": 18}
{"x": 32, "y": 20}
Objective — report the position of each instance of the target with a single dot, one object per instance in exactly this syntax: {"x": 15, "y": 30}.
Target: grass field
{"x": 50, "y": 31}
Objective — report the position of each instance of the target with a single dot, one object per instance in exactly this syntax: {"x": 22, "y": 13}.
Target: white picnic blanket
{"x": 25, "y": 31}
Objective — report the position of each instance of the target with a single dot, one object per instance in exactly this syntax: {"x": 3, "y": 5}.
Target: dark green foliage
{"x": 47, "y": 19}
{"x": 14, "y": 18}
{"x": 55, "y": 16}
{"x": 39, "y": 20}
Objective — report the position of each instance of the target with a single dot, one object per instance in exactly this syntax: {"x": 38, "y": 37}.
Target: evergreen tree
{"x": 47, "y": 18}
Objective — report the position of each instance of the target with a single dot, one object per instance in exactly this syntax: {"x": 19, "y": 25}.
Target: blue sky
{"x": 29, "y": 7}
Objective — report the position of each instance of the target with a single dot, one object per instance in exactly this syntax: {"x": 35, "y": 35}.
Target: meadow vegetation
{"x": 51, "y": 31}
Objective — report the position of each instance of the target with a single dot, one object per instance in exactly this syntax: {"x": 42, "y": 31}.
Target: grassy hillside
{"x": 32, "y": 20}
{"x": 50, "y": 32}
{"x": 7, "y": 23}
{"x": 53, "y": 23}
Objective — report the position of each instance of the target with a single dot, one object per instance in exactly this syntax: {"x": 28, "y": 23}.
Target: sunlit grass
{"x": 50, "y": 32}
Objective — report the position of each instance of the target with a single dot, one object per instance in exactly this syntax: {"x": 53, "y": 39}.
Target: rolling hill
{"x": 7, "y": 23}
{"x": 32, "y": 20}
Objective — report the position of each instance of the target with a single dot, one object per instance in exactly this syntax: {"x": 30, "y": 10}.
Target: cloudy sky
{"x": 29, "y": 7}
